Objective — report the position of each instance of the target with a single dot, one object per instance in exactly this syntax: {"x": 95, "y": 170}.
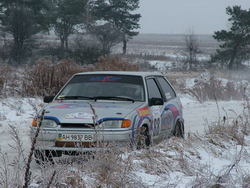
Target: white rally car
{"x": 100, "y": 109}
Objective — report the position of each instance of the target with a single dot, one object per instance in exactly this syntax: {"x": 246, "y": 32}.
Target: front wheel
{"x": 179, "y": 129}
{"x": 42, "y": 156}
{"x": 143, "y": 138}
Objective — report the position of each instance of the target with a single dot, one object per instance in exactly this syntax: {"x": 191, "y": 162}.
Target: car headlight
{"x": 115, "y": 124}
{"x": 48, "y": 123}
{"x": 111, "y": 124}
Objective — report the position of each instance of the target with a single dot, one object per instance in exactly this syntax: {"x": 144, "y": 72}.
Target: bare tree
{"x": 191, "y": 49}
{"x": 108, "y": 35}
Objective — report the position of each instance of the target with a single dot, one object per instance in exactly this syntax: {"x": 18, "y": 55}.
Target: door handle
{"x": 166, "y": 108}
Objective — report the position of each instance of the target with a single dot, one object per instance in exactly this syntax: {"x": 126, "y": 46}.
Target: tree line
{"x": 107, "y": 22}
{"x": 99, "y": 25}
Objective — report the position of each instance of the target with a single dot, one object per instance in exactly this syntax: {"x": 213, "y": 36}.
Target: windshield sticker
{"x": 143, "y": 111}
{"x": 79, "y": 115}
{"x": 105, "y": 79}
{"x": 72, "y": 106}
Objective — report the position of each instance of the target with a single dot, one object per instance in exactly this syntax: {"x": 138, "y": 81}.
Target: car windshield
{"x": 108, "y": 87}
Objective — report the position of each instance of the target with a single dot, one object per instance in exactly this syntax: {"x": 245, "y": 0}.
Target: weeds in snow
{"x": 169, "y": 161}
{"x": 118, "y": 167}
{"x": 11, "y": 169}
{"x": 205, "y": 90}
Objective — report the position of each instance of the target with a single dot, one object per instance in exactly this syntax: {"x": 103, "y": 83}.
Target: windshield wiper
{"x": 114, "y": 98}
{"x": 75, "y": 97}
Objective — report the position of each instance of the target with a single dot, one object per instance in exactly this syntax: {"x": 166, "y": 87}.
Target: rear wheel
{"x": 179, "y": 129}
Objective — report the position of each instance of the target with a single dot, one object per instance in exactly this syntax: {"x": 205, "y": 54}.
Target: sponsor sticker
{"x": 79, "y": 115}
{"x": 105, "y": 79}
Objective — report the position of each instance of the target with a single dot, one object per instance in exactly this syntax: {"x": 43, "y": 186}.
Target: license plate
{"x": 76, "y": 137}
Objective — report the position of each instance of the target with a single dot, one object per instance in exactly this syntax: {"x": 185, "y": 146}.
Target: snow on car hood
{"x": 81, "y": 112}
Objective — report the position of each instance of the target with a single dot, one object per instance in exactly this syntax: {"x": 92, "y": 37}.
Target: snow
{"x": 202, "y": 159}
{"x": 199, "y": 158}
{"x": 198, "y": 116}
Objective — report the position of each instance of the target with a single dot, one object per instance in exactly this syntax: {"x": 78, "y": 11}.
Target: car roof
{"x": 132, "y": 73}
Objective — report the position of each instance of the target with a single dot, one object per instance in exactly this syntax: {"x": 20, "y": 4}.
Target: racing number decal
{"x": 157, "y": 120}
{"x": 157, "y": 127}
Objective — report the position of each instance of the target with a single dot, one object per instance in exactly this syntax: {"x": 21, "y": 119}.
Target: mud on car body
{"x": 122, "y": 108}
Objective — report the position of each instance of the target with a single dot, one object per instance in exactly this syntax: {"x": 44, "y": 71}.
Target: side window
{"x": 167, "y": 89}
{"x": 153, "y": 90}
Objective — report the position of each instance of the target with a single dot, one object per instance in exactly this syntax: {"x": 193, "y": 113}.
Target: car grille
{"x": 80, "y": 126}
{"x": 73, "y": 144}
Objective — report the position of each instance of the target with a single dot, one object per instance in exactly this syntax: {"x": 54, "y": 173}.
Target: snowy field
{"x": 201, "y": 157}
{"x": 214, "y": 153}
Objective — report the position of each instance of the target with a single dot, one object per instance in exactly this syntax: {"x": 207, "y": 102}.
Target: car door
{"x": 161, "y": 117}
{"x": 171, "y": 105}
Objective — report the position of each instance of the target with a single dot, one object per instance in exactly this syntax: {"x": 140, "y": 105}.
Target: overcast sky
{"x": 179, "y": 16}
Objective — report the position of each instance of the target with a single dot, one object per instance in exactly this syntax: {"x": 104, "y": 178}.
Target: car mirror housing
{"x": 48, "y": 99}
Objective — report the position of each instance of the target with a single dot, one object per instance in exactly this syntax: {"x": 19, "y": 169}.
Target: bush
{"x": 82, "y": 51}
{"x": 215, "y": 89}
{"x": 85, "y": 51}
{"x": 115, "y": 63}
{"x": 46, "y": 77}
{"x": 54, "y": 51}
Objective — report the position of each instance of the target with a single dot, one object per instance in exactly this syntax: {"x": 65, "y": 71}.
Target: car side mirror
{"x": 48, "y": 99}
{"x": 156, "y": 101}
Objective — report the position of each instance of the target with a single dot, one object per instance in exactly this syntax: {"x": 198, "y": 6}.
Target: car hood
{"x": 83, "y": 112}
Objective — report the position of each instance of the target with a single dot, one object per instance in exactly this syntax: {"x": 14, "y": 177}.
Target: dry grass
{"x": 116, "y": 63}
{"x": 211, "y": 88}
{"x": 117, "y": 167}
{"x": 46, "y": 77}
{"x": 8, "y": 80}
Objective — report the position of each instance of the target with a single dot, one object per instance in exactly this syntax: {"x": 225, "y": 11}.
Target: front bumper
{"x": 50, "y": 139}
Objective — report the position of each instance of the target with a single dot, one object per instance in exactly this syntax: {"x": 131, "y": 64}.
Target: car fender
{"x": 138, "y": 122}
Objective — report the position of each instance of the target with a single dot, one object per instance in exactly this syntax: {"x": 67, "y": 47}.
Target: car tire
{"x": 179, "y": 129}
{"x": 42, "y": 157}
{"x": 144, "y": 139}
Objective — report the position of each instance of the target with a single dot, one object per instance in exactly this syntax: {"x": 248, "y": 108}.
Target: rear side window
{"x": 167, "y": 89}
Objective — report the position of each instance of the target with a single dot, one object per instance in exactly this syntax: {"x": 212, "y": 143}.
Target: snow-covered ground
{"x": 198, "y": 116}
{"x": 209, "y": 155}
{"x": 202, "y": 161}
